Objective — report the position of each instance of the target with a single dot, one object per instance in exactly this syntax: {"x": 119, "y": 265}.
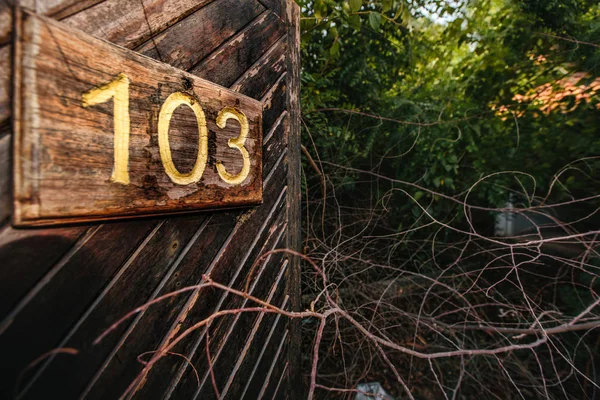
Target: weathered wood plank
{"x": 275, "y": 144}
{"x": 228, "y": 332}
{"x": 291, "y": 14}
{"x": 130, "y": 23}
{"x": 253, "y": 351}
{"x": 260, "y": 77}
{"x": 5, "y": 80}
{"x": 201, "y": 304}
{"x": 126, "y": 23}
{"x": 182, "y": 386}
{"x": 121, "y": 366}
{"x": 281, "y": 389}
{"x": 121, "y": 370}
{"x": 5, "y": 23}
{"x": 241, "y": 51}
{"x": 60, "y": 9}
{"x": 138, "y": 280}
{"x": 274, "y": 5}
{"x": 275, "y": 102}
{"x": 65, "y": 293}
{"x": 21, "y": 267}
{"x": 161, "y": 317}
{"x": 5, "y": 191}
{"x": 257, "y": 367}
{"x": 76, "y": 178}
{"x": 273, "y": 363}
{"x": 195, "y": 37}
{"x": 57, "y": 9}
{"x": 233, "y": 334}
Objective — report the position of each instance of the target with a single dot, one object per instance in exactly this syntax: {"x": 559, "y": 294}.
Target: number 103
{"x": 118, "y": 91}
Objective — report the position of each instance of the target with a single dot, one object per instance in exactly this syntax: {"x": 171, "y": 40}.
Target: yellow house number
{"x": 118, "y": 90}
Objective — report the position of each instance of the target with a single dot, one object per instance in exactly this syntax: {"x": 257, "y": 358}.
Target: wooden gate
{"x": 62, "y": 286}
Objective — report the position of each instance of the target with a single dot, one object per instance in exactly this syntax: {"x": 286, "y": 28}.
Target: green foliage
{"x": 447, "y": 76}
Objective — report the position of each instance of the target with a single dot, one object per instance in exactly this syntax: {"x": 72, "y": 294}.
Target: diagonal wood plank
{"x": 197, "y": 36}
{"x": 64, "y": 293}
{"x": 277, "y": 329}
{"x": 144, "y": 270}
{"x": 241, "y": 326}
{"x": 258, "y": 79}
{"x": 241, "y": 51}
{"x": 249, "y": 355}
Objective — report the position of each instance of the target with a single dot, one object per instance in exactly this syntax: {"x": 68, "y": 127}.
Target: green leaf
{"x": 334, "y": 51}
{"x": 317, "y": 8}
{"x": 355, "y": 5}
{"x": 346, "y": 8}
{"x": 374, "y": 20}
{"x": 386, "y": 5}
{"x": 354, "y": 21}
{"x": 418, "y": 195}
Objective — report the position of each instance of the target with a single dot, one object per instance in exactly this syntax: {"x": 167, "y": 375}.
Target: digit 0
{"x": 164, "y": 120}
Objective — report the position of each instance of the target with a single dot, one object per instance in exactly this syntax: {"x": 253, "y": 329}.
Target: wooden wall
{"x": 61, "y": 287}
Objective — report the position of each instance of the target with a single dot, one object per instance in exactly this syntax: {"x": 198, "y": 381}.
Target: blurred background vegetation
{"x": 414, "y": 109}
{"x": 464, "y": 89}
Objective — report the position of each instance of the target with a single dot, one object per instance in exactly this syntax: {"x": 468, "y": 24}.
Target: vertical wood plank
{"x": 5, "y": 192}
{"x": 291, "y": 12}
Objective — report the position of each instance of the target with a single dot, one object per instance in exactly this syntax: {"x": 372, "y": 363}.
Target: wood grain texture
{"x": 269, "y": 328}
{"x": 126, "y": 23}
{"x": 260, "y": 77}
{"x": 5, "y": 82}
{"x": 238, "y": 54}
{"x": 64, "y": 293}
{"x": 275, "y": 6}
{"x": 275, "y": 101}
{"x": 236, "y": 349}
{"x": 195, "y": 37}
{"x": 66, "y": 151}
{"x": 130, "y": 23}
{"x": 5, "y": 181}
{"x": 234, "y": 334}
{"x": 21, "y": 268}
{"x": 291, "y": 11}
{"x": 271, "y": 364}
{"x": 228, "y": 334}
{"x": 235, "y": 257}
{"x": 5, "y": 23}
{"x": 155, "y": 261}
{"x": 120, "y": 365}
{"x": 223, "y": 243}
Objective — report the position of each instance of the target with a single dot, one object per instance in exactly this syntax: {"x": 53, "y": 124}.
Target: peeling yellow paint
{"x": 164, "y": 120}
{"x": 236, "y": 143}
{"x": 118, "y": 90}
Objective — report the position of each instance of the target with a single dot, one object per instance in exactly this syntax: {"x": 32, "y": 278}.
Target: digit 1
{"x": 164, "y": 120}
{"x": 118, "y": 90}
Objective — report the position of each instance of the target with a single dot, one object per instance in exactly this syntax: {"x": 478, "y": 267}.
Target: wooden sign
{"x": 102, "y": 132}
